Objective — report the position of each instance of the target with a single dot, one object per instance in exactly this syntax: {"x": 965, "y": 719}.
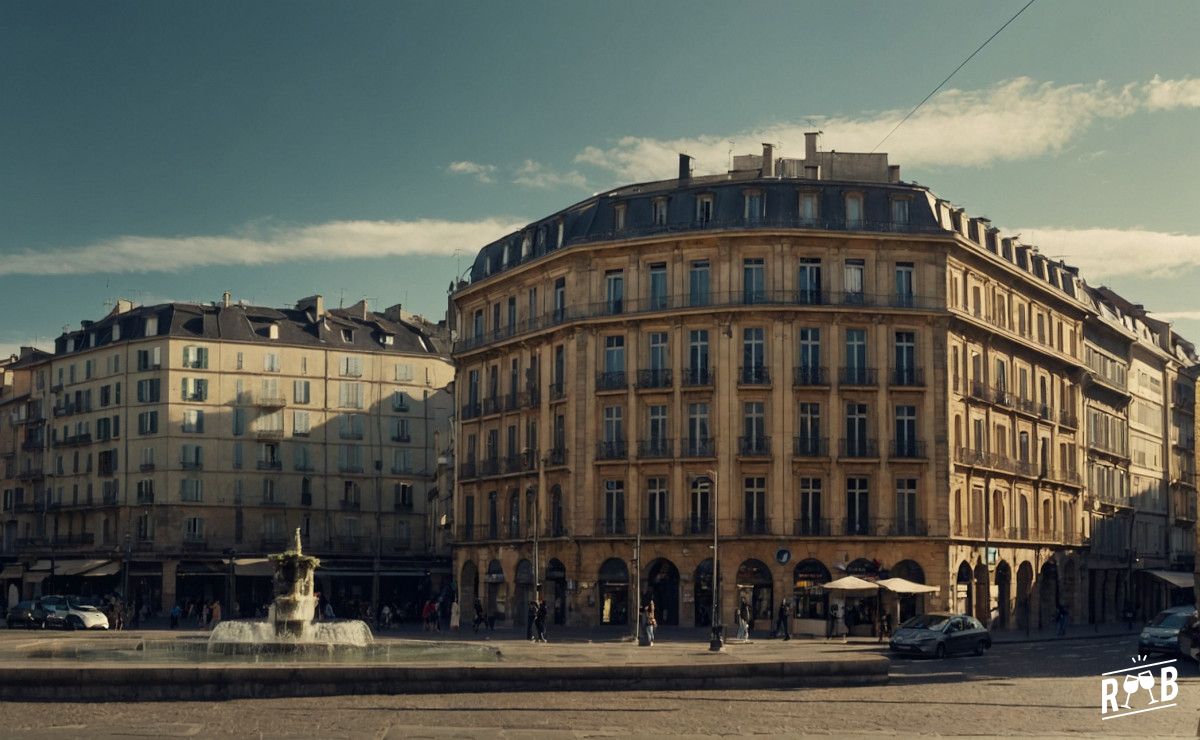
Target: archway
{"x": 662, "y": 582}
{"x": 1048, "y": 598}
{"x": 1024, "y": 593}
{"x": 983, "y": 594}
{"x": 468, "y": 585}
{"x": 1003, "y": 596}
{"x": 910, "y": 605}
{"x": 524, "y": 592}
{"x": 497, "y": 596}
{"x": 810, "y": 601}
{"x": 612, "y": 589}
{"x": 962, "y": 589}
{"x": 702, "y": 593}
{"x": 556, "y": 590}
{"x": 756, "y": 588}
{"x": 1068, "y": 588}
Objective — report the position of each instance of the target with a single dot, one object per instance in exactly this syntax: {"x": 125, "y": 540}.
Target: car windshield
{"x": 925, "y": 622}
{"x": 1171, "y": 620}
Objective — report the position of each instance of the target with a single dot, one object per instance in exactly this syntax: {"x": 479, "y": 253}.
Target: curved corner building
{"x": 837, "y": 371}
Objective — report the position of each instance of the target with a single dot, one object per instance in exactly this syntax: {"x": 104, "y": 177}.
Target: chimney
{"x": 810, "y": 144}
{"x": 768, "y": 160}
{"x": 226, "y": 299}
{"x": 685, "y": 167}
{"x": 893, "y": 173}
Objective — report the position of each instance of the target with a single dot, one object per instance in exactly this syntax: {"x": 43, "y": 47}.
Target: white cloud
{"x": 533, "y": 174}
{"x": 336, "y": 240}
{"x": 1105, "y": 253}
{"x": 481, "y": 172}
{"x": 1177, "y": 315}
{"x": 1011, "y": 120}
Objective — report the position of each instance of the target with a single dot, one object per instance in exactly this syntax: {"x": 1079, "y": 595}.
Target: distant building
{"x": 837, "y": 371}
{"x": 176, "y": 445}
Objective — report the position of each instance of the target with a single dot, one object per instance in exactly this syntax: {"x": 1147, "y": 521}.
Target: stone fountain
{"x": 290, "y": 625}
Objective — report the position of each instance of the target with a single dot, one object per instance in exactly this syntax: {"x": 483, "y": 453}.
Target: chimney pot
{"x": 810, "y": 144}
{"x": 685, "y": 167}
{"x": 226, "y": 298}
{"x": 768, "y": 160}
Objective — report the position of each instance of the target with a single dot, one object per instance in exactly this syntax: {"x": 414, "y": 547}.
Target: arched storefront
{"x": 555, "y": 590}
{"x": 702, "y": 593}
{"x": 612, "y": 591}
{"x": 1048, "y": 598}
{"x": 810, "y": 602}
{"x": 662, "y": 579}
{"x": 861, "y": 612}
{"x": 468, "y": 586}
{"x": 1024, "y": 595}
{"x": 1003, "y": 596}
{"x": 755, "y": 587}
{"x": 963, "y": 591}
{"x": 983, "y": 594}
{"x": 523, "y": 593}
{"x": 496, "y": 602}
{"x": 910, "y": 605}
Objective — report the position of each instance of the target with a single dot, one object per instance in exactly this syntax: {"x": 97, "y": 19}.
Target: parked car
{"x": 941, "y": 634}
{"x": 68, "y": 612}
{"x": 24, "y": 614}
{"x": 1189, "y": 638}
{"x": 1161, "y": 635}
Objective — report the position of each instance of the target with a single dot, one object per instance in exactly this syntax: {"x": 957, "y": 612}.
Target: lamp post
{"x": 715, "y": 641}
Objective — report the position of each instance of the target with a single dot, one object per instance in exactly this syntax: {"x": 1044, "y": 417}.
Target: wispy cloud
{"x": 1012, "y": 120}
{"x": 1177, "y": 315}
{"x": 1105, "y": 253}
{"x": 481, "y": 172}
{"x": 533, "y": 174}
{"x": 335, "y": 240}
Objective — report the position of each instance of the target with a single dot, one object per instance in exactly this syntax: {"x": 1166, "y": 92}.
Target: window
{"x": 271, "y": 362}
{"x": 698, "y": 284}
{"x": 350, "y": 395}
{"x": 402, "y": 460}
{"x": 300, "y": 392}
{"x": 350, "y": 458}
{"x": 857, "y": 506}
{"x": 195, "y": 358}
{"x": 658, "y": 287}
{"x": 401, "y": 430}
{"x": 348, "y": 334}
{"x": 808, "y": 522}
{"x": 856, "y": 357}
{"x": 704, "y": 209}
{"x": 809, "y": 369}
{"x": 754, "y": 280}
{"x": 699, "y": 437}
{"x": 404, "y": 496}
{"x": 904, "y": 284}
{"x": 239, "y": 422}
{"x": 701, "y": 511}
{"x": 754, "y": 358}
{"x": 809, "y": 282}
{"x": 191, "y": 456}
{"x": 810, "y": 209}
{"x": 614, "y": 291}
{"x": 512, "y": 314}
{"x": 151, "y": 326}
{"x": 350, "y": 367}
{"x": 193, "y": 529}
{"x": 148, "y": 390}
{"x": 614, "y": 354}
{"x": 754, "y": 427}
{"x": 658, "y": 211}
{"x": 531, "y": 312}
{"x": 754, "y": 500}
{"x": 697, "y": 370}
{"x": 350, "y": 426}
{"x": 906, "y": 431}
{"x": 754, "y": 205}
{"x": 193, "y": 420}
{"x": 899, "y": 212}
{"x": 905, "y": 358}
{"x": 194, "y": 389}
{"x": 619, "y": 217}
{"x": 560, "y": 299}
{"x": 658, "y": 429}
{"x": 657, "y": 511}
{"x": 477, "y": 323}
{"x": 300, "y": 423}
{"x": 856, "y": 443}
{"x": 854, "y": 211}
{"x": 808, "y": 433}
{"x": 906, "y": 506}
{"x": 614, "y": 427}
{"x": 853, "y": 282}
{"x": 302, "y": 458}
{"x": 191, "y": 490}
{"x": 614, "y": 507}
{"x": 148, "y": 422}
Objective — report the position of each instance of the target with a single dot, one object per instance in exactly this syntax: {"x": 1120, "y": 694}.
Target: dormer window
{"x": 541, "y": 237}
{"x": 116, "y": 332}
{"x": 151, "y": 326}
{"x": 754, "y": 205}
{"x": 658, "y": 211}
{"x": 388, "y": 340}
{"x": 526, "y": 244}
{"x": 347, "y": 335}
{"x": 507, "y": 255}
{"x": 558, "y": 239}
{"x": 619, "y": 217}
{"x": 899, "y": 211}
{"x": 854, "y": 210}
{"x": 704, "y": 209}
{"x": 810, "y": 206}
{"x": 273, "y": 331}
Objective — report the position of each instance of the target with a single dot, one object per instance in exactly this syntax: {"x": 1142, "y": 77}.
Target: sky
{"x": 172, "y": 151}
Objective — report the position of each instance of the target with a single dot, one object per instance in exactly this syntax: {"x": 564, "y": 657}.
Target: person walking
{"x": 1062, "y": 620}
{"x": 887, "y": 625}
{"x": 651, "y": 622}
{"x": 783, "y": 621}
{"x": 455, "y": 616}
{"x": 175, "y": 614}
{"x": 216, "y": 615}
{"x": 742, "y": 618}
{"x": 530, "y": 617}
{"x": 831, "y": 622}
{"x": 478, "y": 615}
{"x": 539, "y": 620}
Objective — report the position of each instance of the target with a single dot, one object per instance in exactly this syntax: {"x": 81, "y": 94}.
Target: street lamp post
{"x": 715, "y": 641}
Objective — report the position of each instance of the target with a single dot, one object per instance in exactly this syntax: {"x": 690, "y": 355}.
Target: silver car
{"x": 1161, "y": 634}
{"x": 940, "y": 635}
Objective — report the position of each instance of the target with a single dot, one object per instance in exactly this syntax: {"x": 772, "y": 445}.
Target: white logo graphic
{"x": 1141, "y": 679}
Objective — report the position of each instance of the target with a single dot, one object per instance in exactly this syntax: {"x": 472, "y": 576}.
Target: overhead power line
{"x": 960, "y": 66}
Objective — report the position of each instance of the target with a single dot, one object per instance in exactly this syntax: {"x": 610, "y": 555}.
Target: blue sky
{"x": 165, "y": 150}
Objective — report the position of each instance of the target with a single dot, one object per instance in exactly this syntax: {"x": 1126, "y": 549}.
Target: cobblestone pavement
{"x": 1025, "y": 689}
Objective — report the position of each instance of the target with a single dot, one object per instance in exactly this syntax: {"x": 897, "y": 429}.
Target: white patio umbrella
{"x": 905, "y": 586}
{"x": 850, "y": 583}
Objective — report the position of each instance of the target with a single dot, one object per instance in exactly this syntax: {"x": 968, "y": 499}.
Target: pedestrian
{"x": 539, "y": 621}
{"x": 1062, "y": 620}
{"x": 530, "y": 616}
{"x": 216, "y": 614}
{"x": 455, "y": 616}
{"x": 651, "y": 622}
{"x": 176, "y": 612}
{"x": 783, "y": 626}
{"x": 887, "y": 624}
{"x": 831, "y": 622}
{"x": 478, "y": 615}
{"x": 329, "y": 617}
{"x": 739, "y": 620}
{"x": 744, "y": 613}
{"x": 848, "y": 619}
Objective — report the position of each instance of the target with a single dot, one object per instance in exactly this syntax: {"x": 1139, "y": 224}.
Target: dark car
{"x": 24, "y": 614}
{"x": 1189, "y": 638}
{"x": 1162, "y": 635}
{"x": 940, "y": 635}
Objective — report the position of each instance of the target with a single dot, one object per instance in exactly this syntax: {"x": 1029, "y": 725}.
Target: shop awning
{"x": 905, "y": 586}
{"x": 110, "y": 568}
{"x": 850, "y": 583}
{"x": 41, "y": 565}
{"x": 1177, "y": 578}
{"x": 253, "y": 567}
{"x": 75, "y": 567}
{"x": 11, "y": 571}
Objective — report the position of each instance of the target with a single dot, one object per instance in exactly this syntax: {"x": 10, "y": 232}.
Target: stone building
{"x": 838, "y": 371}
{"x": 169, "y": 448}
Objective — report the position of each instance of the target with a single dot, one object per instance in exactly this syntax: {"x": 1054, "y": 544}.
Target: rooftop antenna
{"x": 730, "y": 154}
{"x": 341, "y": 297}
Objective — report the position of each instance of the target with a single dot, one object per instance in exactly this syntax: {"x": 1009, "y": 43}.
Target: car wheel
{"x": 73, "y": 623}
{"x": 980, "y": 647}
{"x": 940, "y": 651}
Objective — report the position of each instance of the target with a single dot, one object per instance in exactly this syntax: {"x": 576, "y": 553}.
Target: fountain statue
{"x": 290, "y": 625}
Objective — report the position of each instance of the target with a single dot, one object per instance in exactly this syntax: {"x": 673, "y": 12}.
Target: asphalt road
{"x": 1049, "y": 688}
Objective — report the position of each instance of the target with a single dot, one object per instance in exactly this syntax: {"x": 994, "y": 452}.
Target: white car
{"x": 69, "y": 613}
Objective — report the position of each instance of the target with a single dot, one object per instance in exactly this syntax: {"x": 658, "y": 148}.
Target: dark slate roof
{"x": 242, "y": 323}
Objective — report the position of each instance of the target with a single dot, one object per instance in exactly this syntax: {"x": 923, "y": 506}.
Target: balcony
{"x": 698, "y": 447}
{"x": 757, "y": 446}
{"x": 907, "y": 528}
{"x": 698, "y": 377}
{"x": 754, "y": 526}
{"x": 31, "y": 474}
{"x": 277, "y": 434}
{"x": 558, "y": 391}
{"x": 653, "y": 378}
{"x": 145, "y": 497}
{"x": 757, "y": 375}
{"x": 76, "y": 440}
{"x": 907, "y": 449}
{"x": 146, "y": 467}
{"x": 856, "y": 376}
{"x": 1068, "y": 419}
{"x": 857, "y": 447}
{"x": 610, "y": 526}
{"x": 191, "y": 464}
{"x": 657, "y": 527}
{"x": 269, "y": 465}
{"x": 810, "y": 527}
{"x": 402, "y": 437}
{"x": 907, "y": 377}
{"x": 489, "y": 466}
{"x": 269, "y": 401}
{"x": 350, "y": 467}
{"x": 271, "y": 500}
{"x": 615, "y": 380}
{"x": 810, "y": 446}
{"x": 514, "y": 401}
{"x": 697, "y": 525}
{"x": 351, "y": 434}
{"x": 613, "y": 450}
{"x": 857, "y": 527}
{"x": 557, "y": 457}
{"x": 350, "y": 504}
{"x": 32, "y": 445}
{"x": 809, "y": 375}
{"x": 513, "y": 464}
{"x": 491, "y": 405}
{"x": 470, "y": 411}
{"x": 655, "y": 449}
{"x": 466, "y": 470}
